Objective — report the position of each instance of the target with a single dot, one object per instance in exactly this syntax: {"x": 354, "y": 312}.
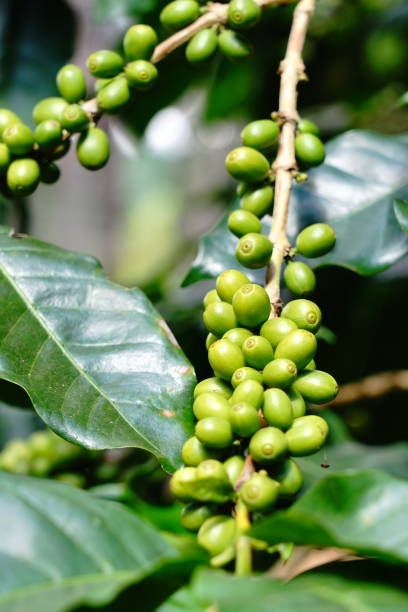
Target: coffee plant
{"x": 224, "y": 493}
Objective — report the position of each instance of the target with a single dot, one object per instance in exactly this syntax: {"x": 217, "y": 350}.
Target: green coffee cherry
{"x": 307, "y": 435}
{"x": 214, "y": 432}
{"x": 234, "y": 466}
{"x": 93, "y": 148}
{"x": 100, "y": 84}
{"x": 194, "y": 515}
{"x": 245, "y": 373}
{"x": 251, "y": 305}
{"x": 247, "y": 164}
{"x": 277, "y": 408}
{"x": 59, "y": 151}
{"x": 257, "y": 352}
{"x": 237, "y": 335}
{"x": 258, "y": 201}
{"x": 201, "y": 46}
{"x": 210, "y": 339}
{"x": 23, "y": 176}
{"x": 309, "y": 149}
{"x": 139, "y": 42}
{"x": 259, "y": 493}
{"x": 249, "y": 392}
{"x": 244, "y": 419}
{"x": 48, "y": 134}
{"x": 241, "y": 222}
{"x": 228, "y": 282}
{"x": 181, "y": 483}
{"x": 306, "y": 314}
{"x": 71, "y": 83}
{"x": 7, "y": 118}
{"x": 194, "y": 452}
{"x": 179, "y": 13}
{"x": 213, "y": 385}
{"x": 234, "y": 46}
{"x": 268, "y": 445}
{"x": 316, "y": 386}
{"x": 219, "y": 318}
{"x": 19, "y": 138}
{"x": 299, "y": 346}
{"x": 5, "y": 159}
{"x": 276, "y": 329}
{"x": 261, "y": 134}
{"x": 211, "y": 405}
{"x": 311, "y": 365}
{"x": 49, "y": 108}
{"x": 254, "y": 251}
{"x": 105, "y": 64}
{"x": 49, "y": 173}
{"x": 212, "y": 469}
{"x": 298, "y": 403}
{"x": 141, "y": 74}
{"x": 289, "y": 476}
{"x": 279, "y": 373}
{"x": 299, "y": 278}
{"x": 74, "y": 118}
{"x": 243, "y": 14}
{"x": 305, "y": 126}
{"x": 216, "y": 534}
{"x": 316, "y": 240}
{"x": 115, "y": 95}
{"x": 225, "y": 357}
{"x": 211, "y": 297}
{"x": 241, "y": 189}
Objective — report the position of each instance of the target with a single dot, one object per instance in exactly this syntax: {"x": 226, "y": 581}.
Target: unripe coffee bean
{"x": 258, "y": 201}
{"x": 49, "y": 108}
{"x": 234, "y": 466}
{"x": 212, "y": 469}
{"x": 141, "y": 74}
{"x": 105, "y": 64}
{"x": 71, "y": 83}
{"x": 243, "y": 14}
{"x": 299, "y": 278}
{"x": 194, "y": 515}
{"x": 316, "y": 386}
{"x": 277, "y": 408}
{"x": 74, "y": 118}
{"x": 48, "y": 134}
{"x": 93, "y": 148}
{"x": 307, "y": 435}
{"x": 276, "y": 329}
{"x": 179, "y": 13}
{"x": 139, "y": 42}
{"x": 115, "y": 95}
{"x": 49, "y": 173}
{"x": 298, "y": 403}
{"x": 7, "y": 118}
{"x": 225, "y": 357}
{"x": 247, "y": 164}
{"x": 311, "y": 365}
{"x": 306, "y": 314}
{"x": 101, "y": 83}
{"x": 259, "y": 493}
{"x": 219, "y": 317}
{"x": 23, "y": 176}
{"x": 216, "y": 534}
{"x": 213, "y": 385}
{"x": 5, "y": 159}
{"x": 228, "y": 282}
{"x": 309, "y": 149}
{"x": 241, "y": 222}
{"x": 316, "y": 240}
{"x": 211, "y": 404}
{"x": 305, "y": 126}
{"x": 210, "y": 339}
{"x": 251, "y": 305}
{"x": 211, "y": 297}
{"x": 289, "y": 476}
{"x": 181, "y": 483}
{"x": 257, "y": 352}
{"x": 299, "y": 346}
{"x": 234, "y": 46}
{"x": 237, "y": 335}
{"x": 214, "y": 432}
{"x": 245, "y": 373}
{"x": 249, "y": 392}
{"x": 261, "y": 134}
{"x": 19, "y": 138}
{"x": 268, "y": 445}
{"x": 279, "y": 373}
{"x": 254, "y": 251}
{"x": 194, "y": 452}
{"x": 244, "y": 419}
{"x": 201, "y": 46}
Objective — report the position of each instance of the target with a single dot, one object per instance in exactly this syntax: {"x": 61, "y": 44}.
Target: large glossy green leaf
{"x": 365, "y": 511}
{"x": 358, "y": 190}
{"x": 323, "y": 592}
{"x": 60, "y": 546}
{"x": 99, "y": 363}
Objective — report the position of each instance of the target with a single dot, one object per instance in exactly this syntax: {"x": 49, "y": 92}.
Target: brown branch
{"x": 292, "y": 71}
{"x": 305, "y": 558}
{"x": 372, "y": 386}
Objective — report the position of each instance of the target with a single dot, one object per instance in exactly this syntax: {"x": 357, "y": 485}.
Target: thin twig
{"x": 371, "y": 387}
{"x": 292, "y": 71}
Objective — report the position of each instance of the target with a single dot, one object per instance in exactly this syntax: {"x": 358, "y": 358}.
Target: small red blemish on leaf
{"x": 168, "y": 413}
{"x": 183, "y": 370}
